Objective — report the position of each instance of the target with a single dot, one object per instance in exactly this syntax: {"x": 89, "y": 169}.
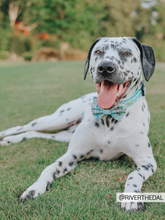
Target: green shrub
{"x": 27, "y": 56}
{"x": 5, "y": 39}
{"x": 4, "y": 55}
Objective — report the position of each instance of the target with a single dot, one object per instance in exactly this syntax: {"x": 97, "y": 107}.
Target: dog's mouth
{"x": 109, "y": 93}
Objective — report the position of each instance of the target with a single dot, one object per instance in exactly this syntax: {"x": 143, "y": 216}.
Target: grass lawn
{"x": 29, "y": 91}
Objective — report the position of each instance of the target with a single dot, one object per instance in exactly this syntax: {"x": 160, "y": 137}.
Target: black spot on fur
{"x": 23, "y": 139}
{"x": 112, "y": 120}
{"x": 94, "y": 158}
{"x": 113, "y": 46}
{"x": 102, "y": 121}
{"x": 130, "y": 178}
{"x": 107, "y": 120}
{"x": 134, "y": 59}
{"x": 134, "y": 185}
{"x": 106, "y": 47}
{"x": 149, "y": 145}
{"x": 101, "y": 151}
{"x": 54, "y": 175}
{"x": 143, "y": 124}
{"x": 74, "y": 156}
{"x": 150, "y": 165}
{"x": 143, "y": 177}
{"x": 111, "y": 128}
{"x": 61, "y": 111}
{"x": 107, "y": 57}
{"x": 48, "y": 186}
{"x": 145, "y": 167}
{"x": 65, "y": 170}
{"x": 34, "y": 123}
{"x": 137, "y": 145}
{"x": 81, "y": 156}
{"x": 127, "y": 114}
{"x": 90, "y": 152}
{"x": 97, "y": 124}
{"x": 68, "y": 109}
{"x": 8, "y": 142}
{"x": 140, "y": 175}
{"x": 71, "y": 163}
{"x": 60, "y": 163}
{"x": 58, "y": 172}
{"x": 136, "y": 82}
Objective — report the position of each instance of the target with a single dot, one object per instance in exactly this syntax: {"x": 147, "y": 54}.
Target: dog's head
{"x": 115, "y": 66}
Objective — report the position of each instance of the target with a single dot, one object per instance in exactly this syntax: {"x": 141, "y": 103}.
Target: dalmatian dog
{"x": 116, "y": 66}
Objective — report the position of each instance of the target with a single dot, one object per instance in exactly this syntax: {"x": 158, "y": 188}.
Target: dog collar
{"x": 119, "y": 110}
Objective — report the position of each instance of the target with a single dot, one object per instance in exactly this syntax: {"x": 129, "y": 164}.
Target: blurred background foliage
{"x": 27, "y": 26}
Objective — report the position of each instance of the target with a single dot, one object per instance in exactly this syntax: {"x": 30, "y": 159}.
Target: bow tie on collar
{"x": 119, "y": 110}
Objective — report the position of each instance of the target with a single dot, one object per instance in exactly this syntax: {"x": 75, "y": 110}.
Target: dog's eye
{"x": 97, "y": 52}
{"x": 127, "y": 54}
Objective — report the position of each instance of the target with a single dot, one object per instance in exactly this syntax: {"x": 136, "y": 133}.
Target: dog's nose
{"x": 106, "y": 68}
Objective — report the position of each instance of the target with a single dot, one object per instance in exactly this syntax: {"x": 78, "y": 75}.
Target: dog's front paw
{"x": 34, "y": 190}
{"x": 132, "y": 206}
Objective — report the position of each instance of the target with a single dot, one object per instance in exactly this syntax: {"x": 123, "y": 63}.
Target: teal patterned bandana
{"x": 118, "y": 111}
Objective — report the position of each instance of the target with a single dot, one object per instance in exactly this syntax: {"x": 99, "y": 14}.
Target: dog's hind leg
{"x": 66, "y": 115}
{"x": 63, "y": 136}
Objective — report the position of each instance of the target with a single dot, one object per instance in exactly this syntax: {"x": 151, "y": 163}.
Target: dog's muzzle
{"x": 105, "y": 68}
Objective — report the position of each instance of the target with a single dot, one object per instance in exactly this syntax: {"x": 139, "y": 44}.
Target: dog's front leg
{"x": 146, "y": 166}
{"x": 59, "y": 168}
{"x": 81, "y": 146}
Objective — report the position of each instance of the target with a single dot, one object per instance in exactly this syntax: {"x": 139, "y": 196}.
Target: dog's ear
{"x": 88, "y": 58}
{"x": 147, "y": 59}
